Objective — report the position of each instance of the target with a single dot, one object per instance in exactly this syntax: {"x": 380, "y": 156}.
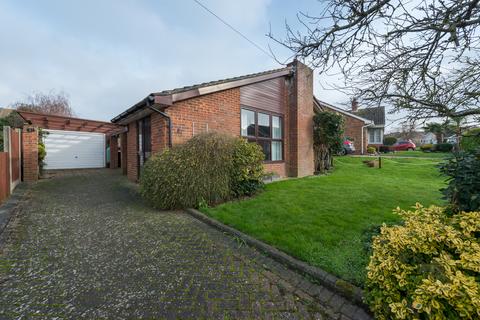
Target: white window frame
{"x": 375, "y": 141}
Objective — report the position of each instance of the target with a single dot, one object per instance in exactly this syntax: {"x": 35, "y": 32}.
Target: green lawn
{"x": 419, "y": 154}
{"x": 322, "y": 219}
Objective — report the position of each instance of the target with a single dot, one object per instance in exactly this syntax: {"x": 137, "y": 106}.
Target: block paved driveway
{"x": 86, "y": 247}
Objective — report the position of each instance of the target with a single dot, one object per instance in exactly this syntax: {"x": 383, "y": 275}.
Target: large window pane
{"x": 266, "y": 149}
{"x": 378, "y": 135}
{"x": 263, "y": 125}
{"x": 371, "y": 135}
{"x": 248, "y": 123}
{"x": 276, "y": 128}
{"x": 276, "y": 150}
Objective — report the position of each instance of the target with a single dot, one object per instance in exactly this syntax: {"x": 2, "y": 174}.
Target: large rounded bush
{"x": 428, "y": 268}
{"x": 207, "y": 169}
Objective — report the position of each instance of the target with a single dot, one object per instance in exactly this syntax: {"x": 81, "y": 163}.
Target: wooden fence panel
{"x": 4, "y": 176}
{"x": 15, "y": 156}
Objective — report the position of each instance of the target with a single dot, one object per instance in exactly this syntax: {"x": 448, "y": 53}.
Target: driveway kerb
{"x": 330, "y": 281}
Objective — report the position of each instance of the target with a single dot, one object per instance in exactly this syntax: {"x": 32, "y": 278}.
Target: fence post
{"x": 379, "y": 162}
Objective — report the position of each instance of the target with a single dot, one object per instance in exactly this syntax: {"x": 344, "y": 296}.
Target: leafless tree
{"x": 51, "y": 103}
{"x": 421, "y": 56}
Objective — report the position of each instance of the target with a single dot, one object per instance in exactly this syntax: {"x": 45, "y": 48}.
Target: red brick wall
{"x": 113, "y": 152}
{"x": 124, "y": 150}
{"x": 218, "y": 111}
{"x": 132, "y": 159}
{"x": 278, "y": 168}
{"x": 353, "y": 130}
{"x": 159, "y": 132}
{"x": 30, "y": 153}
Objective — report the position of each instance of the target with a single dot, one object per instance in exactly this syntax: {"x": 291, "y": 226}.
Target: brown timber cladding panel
{"x": 266, "y": 95}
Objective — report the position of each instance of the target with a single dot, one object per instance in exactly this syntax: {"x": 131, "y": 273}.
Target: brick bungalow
{"x": 356, "y": 127}
{"x": 273, "y": 108}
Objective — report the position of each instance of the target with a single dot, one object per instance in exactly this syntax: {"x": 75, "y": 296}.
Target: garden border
{"x": 342, "y": 287}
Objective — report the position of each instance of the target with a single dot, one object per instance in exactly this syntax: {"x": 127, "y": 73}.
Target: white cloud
{"x": 108, "y": 55}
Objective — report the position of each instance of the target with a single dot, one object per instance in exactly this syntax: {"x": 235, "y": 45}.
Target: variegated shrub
{"x": 427, "y": 268}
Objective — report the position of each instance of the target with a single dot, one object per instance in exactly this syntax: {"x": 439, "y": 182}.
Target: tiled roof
{"x": 217, "y": 82}
{"x": 377, "y": 114}
{"x": 321, "y": 104}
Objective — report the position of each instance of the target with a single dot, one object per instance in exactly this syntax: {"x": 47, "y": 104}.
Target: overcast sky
{"x": 107, "y": 55}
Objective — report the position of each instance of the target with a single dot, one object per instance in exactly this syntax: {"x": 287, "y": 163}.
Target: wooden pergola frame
{"x": 54, "y": 122}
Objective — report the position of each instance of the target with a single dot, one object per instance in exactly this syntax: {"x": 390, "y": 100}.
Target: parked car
{"x": 404, "y": 145}
{"x": 348, "y": 147}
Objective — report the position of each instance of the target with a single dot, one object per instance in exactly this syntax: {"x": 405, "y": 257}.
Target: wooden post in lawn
{"x": 379, "y": 162}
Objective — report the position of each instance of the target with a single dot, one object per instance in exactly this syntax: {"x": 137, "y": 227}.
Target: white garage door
{"x": 74, "y": 150}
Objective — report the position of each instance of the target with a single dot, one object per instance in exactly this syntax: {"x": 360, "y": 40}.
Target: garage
{"x": 70, "y": 143}
{"x": 74, "y": 149}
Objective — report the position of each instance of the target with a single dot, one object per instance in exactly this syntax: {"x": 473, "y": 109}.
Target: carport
{"x": 70, "y": 143}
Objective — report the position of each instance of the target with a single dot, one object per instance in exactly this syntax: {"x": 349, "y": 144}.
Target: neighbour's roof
{"x": 321, "y": 104}
{"x": 376, "y": 114}
{"x": 168, "y": 97}
{"x": 55, "y": 122}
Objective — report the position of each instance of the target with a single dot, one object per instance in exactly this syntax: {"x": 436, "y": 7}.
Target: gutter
{"x": 163, "y": 114}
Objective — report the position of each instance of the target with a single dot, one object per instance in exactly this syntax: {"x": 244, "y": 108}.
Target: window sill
{"x": 274, "y": 162}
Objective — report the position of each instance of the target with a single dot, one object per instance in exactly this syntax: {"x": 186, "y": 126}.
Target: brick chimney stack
{"x": 354, "y": 104}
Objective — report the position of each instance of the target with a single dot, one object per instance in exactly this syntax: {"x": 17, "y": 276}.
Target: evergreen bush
{"x": 208, "y": 169}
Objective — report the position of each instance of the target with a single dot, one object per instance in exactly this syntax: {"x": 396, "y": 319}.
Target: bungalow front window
{"x": 374, "y": 135}
{"x": 266, "y": 130}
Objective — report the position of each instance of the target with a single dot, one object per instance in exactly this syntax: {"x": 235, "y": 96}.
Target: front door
{"x": 144, "y": 141}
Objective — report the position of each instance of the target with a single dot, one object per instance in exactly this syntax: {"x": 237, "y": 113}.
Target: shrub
{"x": 429, "y": 268}
{"x": 389, "y": 141}
{"x": 371, "y": 149}
{"x": 427, "y": 147}
{"x": 444, "y": 147}
{"x": 42, "y": 152}
{"x": 471, "y": 140}
{"x": 247, "y": 168}
{"x": 207, "y": 169}
{"x": 463, "y": 189}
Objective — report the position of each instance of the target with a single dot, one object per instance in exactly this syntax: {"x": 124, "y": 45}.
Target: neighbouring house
{"x": 274, "y": 109}
{"x": 428, "y": 138}
{"x": 375, "y": 131}
{"x": 356, "y": 127}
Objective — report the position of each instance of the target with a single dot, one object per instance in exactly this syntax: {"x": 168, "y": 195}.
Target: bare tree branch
{"x": 421, "y": 56}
